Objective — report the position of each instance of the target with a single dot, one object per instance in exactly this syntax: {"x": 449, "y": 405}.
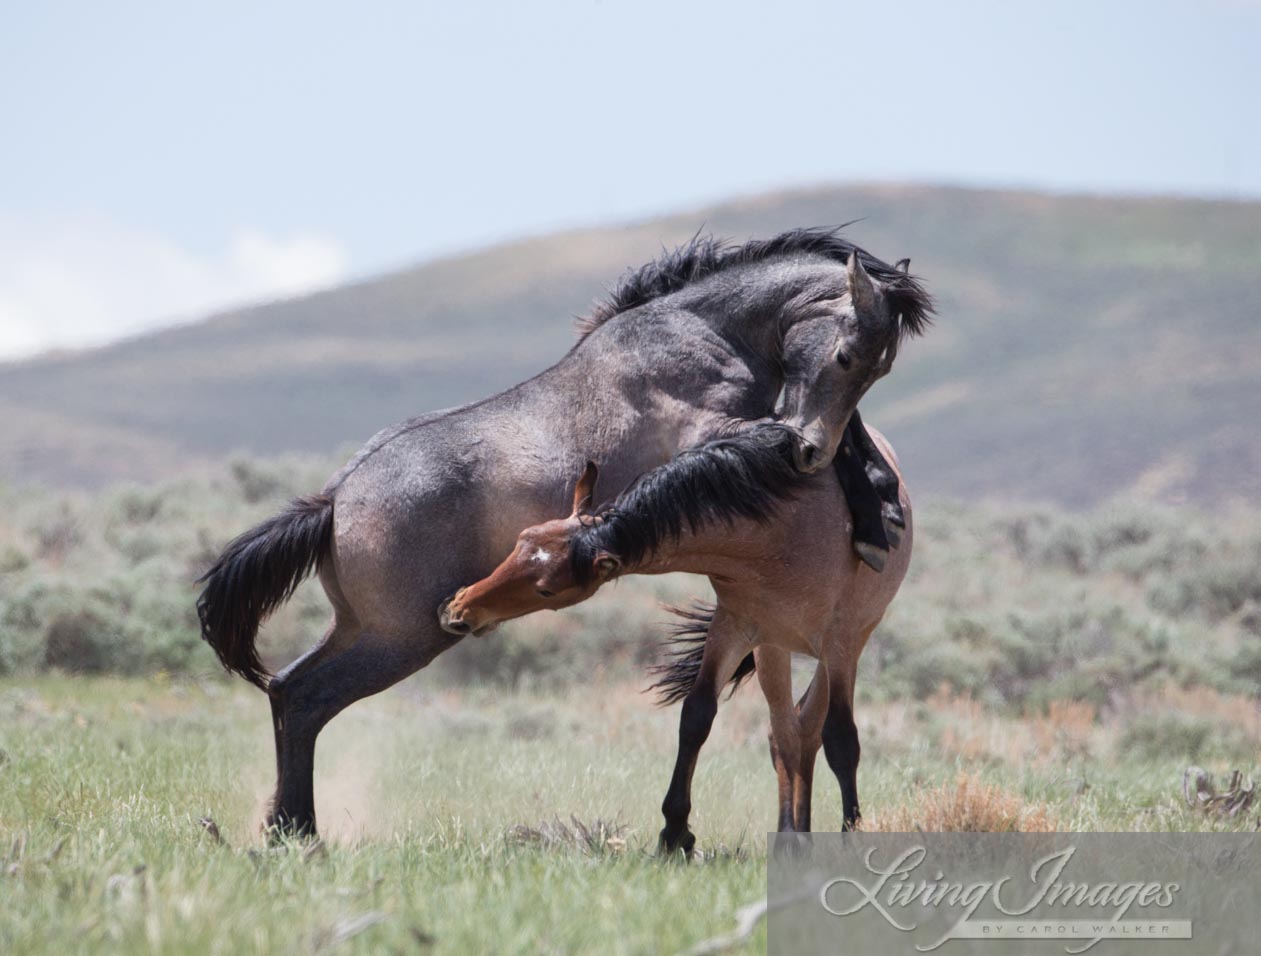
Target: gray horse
{"x": 693, "y": 345}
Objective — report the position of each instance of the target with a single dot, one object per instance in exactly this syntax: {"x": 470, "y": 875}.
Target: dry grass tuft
{"x": 969, "y": 806}
{"x": 1065, "y": 731}
{"x": 1225, "y": 710}
{"x": 596, "y": 837}
{"x": 972, "y": 731}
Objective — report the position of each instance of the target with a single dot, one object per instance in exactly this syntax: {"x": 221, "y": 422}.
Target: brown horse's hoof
{"x": 668, "y": 846}
{"x": 280, "y": 829}
{"x": 790, "y": 845}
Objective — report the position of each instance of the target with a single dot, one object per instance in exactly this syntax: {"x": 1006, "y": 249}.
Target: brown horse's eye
{"x": 545, "y": 593}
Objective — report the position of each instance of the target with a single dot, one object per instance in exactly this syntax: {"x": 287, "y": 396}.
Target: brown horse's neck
{"x": 722, "y": 551}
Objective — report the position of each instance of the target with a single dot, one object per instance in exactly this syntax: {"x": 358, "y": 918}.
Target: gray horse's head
{"x": 832, "y": 357}
{"x": 825, "y": 314}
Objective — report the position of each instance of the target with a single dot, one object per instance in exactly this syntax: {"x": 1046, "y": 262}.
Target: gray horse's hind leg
{"x": 316, "y": 688}
{"x": 340, "y": 636}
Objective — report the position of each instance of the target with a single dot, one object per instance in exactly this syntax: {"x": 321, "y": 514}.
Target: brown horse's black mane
{"x": 743, "y": 476}
{"x": 705, "y": 255}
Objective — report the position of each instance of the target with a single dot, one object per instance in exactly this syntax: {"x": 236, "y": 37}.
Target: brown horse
{"x": 776, "y": 546}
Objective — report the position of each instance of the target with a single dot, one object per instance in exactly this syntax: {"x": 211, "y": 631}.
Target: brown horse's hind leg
{"x": 774, "y": 676}
{"x": 811, "y": 712}
{"x": 794, "y": 733}
{"x": 310, "y": 693}
{"x": 724, "y": 649}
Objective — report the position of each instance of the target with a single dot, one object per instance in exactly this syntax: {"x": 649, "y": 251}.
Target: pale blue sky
{"x": 160, "y": 161}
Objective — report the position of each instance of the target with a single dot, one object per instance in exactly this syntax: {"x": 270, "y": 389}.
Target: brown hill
{"x": 1087, "y": 347}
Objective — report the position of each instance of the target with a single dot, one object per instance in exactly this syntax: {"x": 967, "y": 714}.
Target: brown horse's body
{"x": 788, "y": 585}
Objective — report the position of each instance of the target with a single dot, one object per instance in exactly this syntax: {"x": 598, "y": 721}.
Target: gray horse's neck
{"x": 676, "y": 374}
{"x": 629, "y": 397}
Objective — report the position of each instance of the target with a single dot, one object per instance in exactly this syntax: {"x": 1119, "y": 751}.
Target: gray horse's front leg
{"x": 870, "y": 535}
{"x": 882, "y": 477}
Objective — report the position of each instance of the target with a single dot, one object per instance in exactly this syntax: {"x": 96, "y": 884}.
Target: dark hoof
{"x": 894, "y": 536}
{"x": 892, "y": 514}
{"x": 871, "y": 556}
{"x": 668, "y": 845}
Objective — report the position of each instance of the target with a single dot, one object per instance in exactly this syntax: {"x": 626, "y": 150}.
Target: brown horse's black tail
{"x": 256, "y": 573}
{"x": 678, "y": 672}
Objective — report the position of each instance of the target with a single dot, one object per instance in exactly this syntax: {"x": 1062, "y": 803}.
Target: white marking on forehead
{"x": 541, "y": 556}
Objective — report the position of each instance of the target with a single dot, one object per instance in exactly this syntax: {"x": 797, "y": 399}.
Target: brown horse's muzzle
{"x": 454, "y": 617}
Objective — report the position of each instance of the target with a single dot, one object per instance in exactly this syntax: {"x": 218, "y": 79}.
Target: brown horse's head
{"x": 538, "y": 574}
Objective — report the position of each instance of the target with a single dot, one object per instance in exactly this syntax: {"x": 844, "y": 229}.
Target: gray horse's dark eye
{"x": 842, "y": 358}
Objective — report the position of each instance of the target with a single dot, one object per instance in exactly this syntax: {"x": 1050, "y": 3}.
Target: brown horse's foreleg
{"x": 725, "y": 647}
{"x": 840, "y": 742}
{"x": 313, "y": 690}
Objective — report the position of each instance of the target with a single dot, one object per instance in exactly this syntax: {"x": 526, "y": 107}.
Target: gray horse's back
{"x": 424, "y": 506}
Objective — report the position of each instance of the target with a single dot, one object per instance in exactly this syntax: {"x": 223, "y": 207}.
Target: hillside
{"x": 1086, "y": 348}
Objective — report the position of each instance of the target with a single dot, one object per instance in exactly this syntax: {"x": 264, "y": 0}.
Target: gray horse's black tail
{"x": 256, "y": 573}
{"x": 678, "y": 672}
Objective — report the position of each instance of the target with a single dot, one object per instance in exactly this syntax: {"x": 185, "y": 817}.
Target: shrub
{"x": 83, "y": 641}
{"x": 1165, "y": 738}
{"x": 968, "y": 806}
{"x": 1212, "y": 588}
{"x": 1018, "y": 607}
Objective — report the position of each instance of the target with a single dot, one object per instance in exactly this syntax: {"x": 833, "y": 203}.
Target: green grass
{"x": 103, "y": 781}
{"x": 416, "y": 796}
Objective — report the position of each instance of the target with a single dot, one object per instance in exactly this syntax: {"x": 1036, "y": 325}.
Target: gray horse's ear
{"x": 903, "y": 266}
{"x": 861, "y": 290}
{"x": 606, "y": 565}
{"x": 584, "y": 491}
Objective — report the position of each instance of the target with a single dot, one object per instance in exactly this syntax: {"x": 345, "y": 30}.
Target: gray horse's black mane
{"x": 705, "y": 255}
{"x": 743, "y": 476}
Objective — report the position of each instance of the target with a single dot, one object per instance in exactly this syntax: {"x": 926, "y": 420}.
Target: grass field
{"x": 449, "y": 816}
{"x": 1040, "y": 668}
